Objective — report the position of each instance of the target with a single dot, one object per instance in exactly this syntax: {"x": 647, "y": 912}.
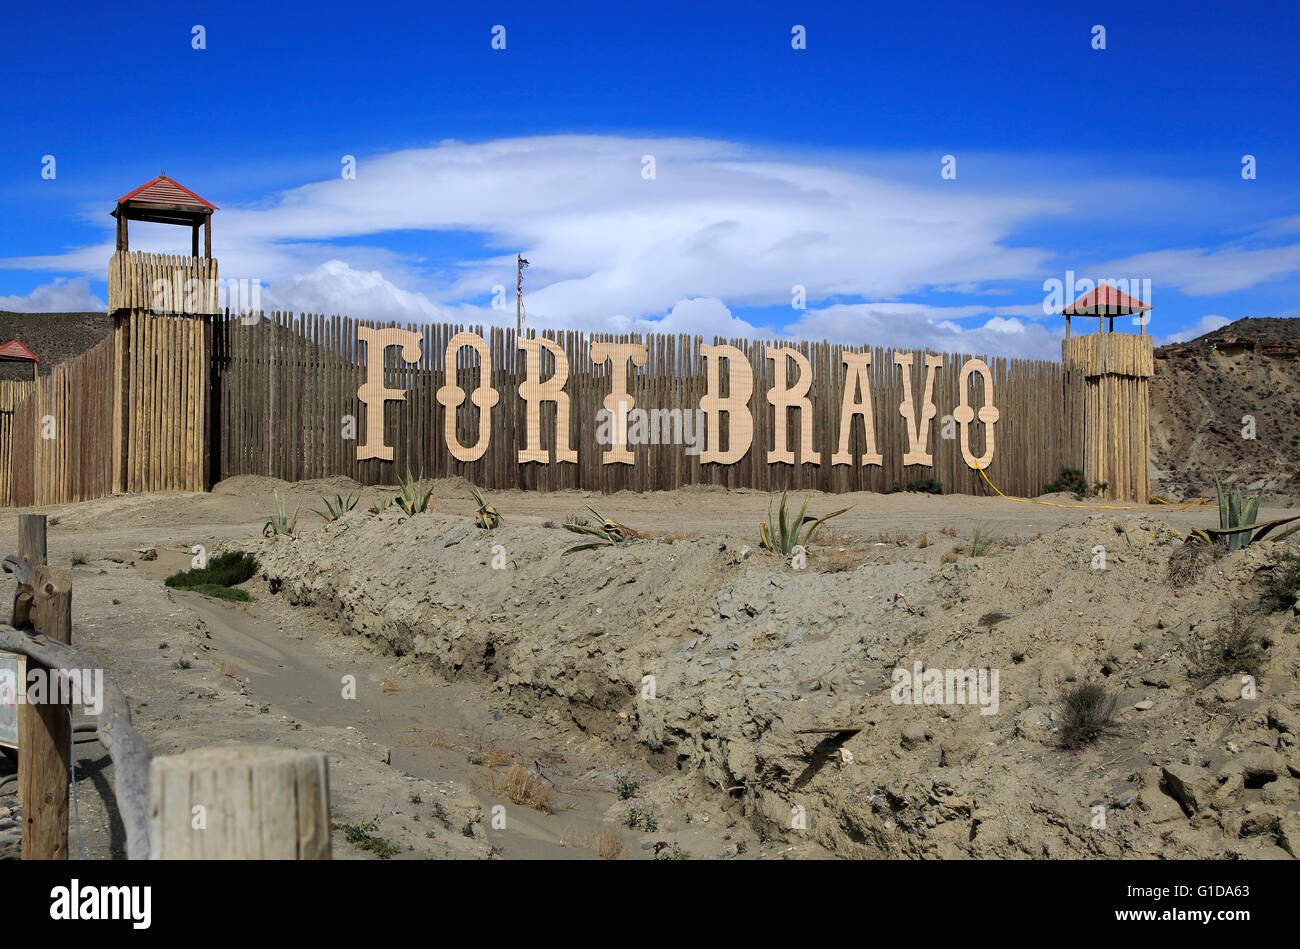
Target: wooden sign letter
{"x": 988, "y": 413}
{"x": 373, "y": 394}
{"x": 534, "y": 392}
{"x": 918, "y": 434}
{"x": 740, "y": 431}
{"x": 619, "y": 403}
{"x": 783, "y": 398}
{"x": 452, "y": 395}
{"x": 855, "y": 375}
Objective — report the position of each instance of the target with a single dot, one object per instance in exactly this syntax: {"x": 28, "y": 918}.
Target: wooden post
{"x": 45, "y": 727}
{"x": 31, "y": 539}
{"x": 207, "y": 237}
{"x": 194, "y": 240}
{"x": 242, "y": 802}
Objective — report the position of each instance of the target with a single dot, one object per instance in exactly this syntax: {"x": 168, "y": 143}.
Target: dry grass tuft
{"x": 845, "y": 561}
{"x": 825, "y": 537}
{"x": 606, "y": 845}
{"x": 529, "y": 790}
{"x": 674, "y": 536}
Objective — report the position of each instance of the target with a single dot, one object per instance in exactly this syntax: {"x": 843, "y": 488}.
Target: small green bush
{"x": 219, "y": 577}
{"x": 1073, "y": 481}
{"x": 919, "y": 485}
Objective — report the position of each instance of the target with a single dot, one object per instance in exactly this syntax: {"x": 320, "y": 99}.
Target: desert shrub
{"x": 1086, "y": 710}
{"x": 1188, "y": 562}
{"x": 982, "y": 542}
{"x": 1283, "y": 585}
{"x": 610, "y": 532}
{"x": 485, "y": 515}
{"x": 782, "y": 534}
{"x": 527, "y": 789}
{"x": 412, "y": 497}
{"x": 626, "y": 785}
{"x": 1238, "y": 521}
{"x": 608, "y": 846}
{"x": 1229, "y": 649}
{"x": 919, "y": 485}
{"x": 362, "y": 836}
{"x": 1072, "y": 480}
{"x": 219, "y": 577}
{"x": 337, "y": 506}
{"x": 281, "y": 523}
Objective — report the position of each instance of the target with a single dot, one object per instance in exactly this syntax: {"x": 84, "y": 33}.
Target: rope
{"x": 1091, "y": 507}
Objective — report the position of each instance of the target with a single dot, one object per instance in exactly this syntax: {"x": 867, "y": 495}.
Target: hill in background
{"x": 1202, "y": 398}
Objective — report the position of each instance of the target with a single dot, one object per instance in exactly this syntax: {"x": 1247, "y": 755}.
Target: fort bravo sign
{"x": 787, "y": 391}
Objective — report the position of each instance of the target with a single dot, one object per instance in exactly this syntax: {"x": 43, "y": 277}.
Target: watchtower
{"x": 162, "y": 307}
{"x": 163, "y": 283}
{"x": 1107, "y": 383}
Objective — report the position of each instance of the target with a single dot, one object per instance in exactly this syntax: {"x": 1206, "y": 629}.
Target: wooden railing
{"x": 163, "y": 283}
{"x": 157, "y": 798}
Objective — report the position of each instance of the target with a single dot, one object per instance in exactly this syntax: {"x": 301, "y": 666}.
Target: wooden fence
{"x": 127, "y": 415}
{"x": 178, "y": 402}
{"x": 63, "y": 432}
{"x": 284, "y": 386}
{"x": 163, "y": 283}
{"x": 11, "y": 393}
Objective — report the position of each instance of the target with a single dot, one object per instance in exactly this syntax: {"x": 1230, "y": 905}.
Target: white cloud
{"x": 335, "y": 288}
{"x": 1206, "y": 324}
{"x": 60, "y": 296}
{"x": 1200, "y": 272}
{"x": 719, "y": 221}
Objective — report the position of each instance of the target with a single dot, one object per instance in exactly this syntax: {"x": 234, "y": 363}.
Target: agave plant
{"x": 280, "y": 522}
{"x": 610, "y": 532}
{"x": 337, "y": 506}
{"x": 413, "y": 499}
{"x": 1237, "y": 525}
{"x": 381, "y": 505}
{"x": 782, "y": 535}
{"x": 487, "y": 516}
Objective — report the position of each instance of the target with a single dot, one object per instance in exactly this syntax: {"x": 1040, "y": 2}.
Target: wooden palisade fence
{"x": 180, "y": 396}
{"x": 285, "y": 387}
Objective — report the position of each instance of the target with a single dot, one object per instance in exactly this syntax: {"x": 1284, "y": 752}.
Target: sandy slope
{"x": 745, "y": 652}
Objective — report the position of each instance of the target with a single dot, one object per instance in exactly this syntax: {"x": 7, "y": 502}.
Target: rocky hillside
{"x": 1203, "y": 397}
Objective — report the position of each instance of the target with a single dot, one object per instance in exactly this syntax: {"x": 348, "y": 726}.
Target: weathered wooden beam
{"x": 241, "y": 803}
{"x": 123, "y": 743}
{"x": 31, "y": 539}
{"x": 45, "y": 727}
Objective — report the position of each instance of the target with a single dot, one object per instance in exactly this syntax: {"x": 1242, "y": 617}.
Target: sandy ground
{"x": 463, "y": 670}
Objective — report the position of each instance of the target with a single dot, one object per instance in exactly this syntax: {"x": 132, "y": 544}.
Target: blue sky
{"x": 774, "y": 167}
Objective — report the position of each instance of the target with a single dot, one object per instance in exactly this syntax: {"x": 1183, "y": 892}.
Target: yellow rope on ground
{"x": 1090, "y": 507}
